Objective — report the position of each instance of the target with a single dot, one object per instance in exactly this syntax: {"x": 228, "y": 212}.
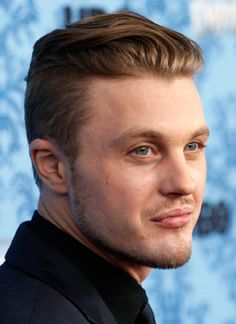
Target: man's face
{"x": 139, "y": 179}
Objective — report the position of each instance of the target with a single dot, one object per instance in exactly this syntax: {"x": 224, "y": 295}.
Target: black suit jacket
{"x": 39, "y": 285}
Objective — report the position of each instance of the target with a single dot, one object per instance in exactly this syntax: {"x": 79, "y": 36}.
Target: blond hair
{"x": 112, "y": 45}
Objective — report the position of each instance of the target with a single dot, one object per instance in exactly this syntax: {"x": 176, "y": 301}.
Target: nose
{"x": 177, "y": 176}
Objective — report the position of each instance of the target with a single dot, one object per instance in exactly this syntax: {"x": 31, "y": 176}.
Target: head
{"x": 114, "y": 94}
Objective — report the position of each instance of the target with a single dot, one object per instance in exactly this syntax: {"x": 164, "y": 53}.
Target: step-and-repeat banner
{"x": 203, "y": 291}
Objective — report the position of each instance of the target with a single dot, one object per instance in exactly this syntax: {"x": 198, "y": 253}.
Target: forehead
{"x": 169, "y": 107}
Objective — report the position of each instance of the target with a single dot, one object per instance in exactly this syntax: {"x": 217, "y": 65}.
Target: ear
{"x": 50, "y": 164}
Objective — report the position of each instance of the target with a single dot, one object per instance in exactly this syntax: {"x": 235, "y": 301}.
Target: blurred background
{"x": 203, "y": 291}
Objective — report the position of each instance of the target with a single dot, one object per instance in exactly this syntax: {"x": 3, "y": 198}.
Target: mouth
{"x": 174, "y": 218}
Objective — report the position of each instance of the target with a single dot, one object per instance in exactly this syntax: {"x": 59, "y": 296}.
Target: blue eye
{"x": 142, "y": 150}
{"x": 194, "y": 146}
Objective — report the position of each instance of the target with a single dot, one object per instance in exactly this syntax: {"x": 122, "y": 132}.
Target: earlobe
{"x": 49, "y": 163}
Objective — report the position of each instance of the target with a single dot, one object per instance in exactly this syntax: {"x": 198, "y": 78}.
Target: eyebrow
{"x": 153, "y": 134}
{"x": 202, "y": 131}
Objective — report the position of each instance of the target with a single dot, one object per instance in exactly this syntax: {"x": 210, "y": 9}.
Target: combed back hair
{"x": 112, "y": 46}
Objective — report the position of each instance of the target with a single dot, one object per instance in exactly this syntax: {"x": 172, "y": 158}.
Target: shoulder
{"x": 27, "y": 300}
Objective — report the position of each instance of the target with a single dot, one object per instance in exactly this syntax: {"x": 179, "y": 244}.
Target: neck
{"x": 61, "y": 216}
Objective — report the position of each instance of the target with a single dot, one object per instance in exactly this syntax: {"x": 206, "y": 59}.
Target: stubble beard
{"x": 162, "y": 256}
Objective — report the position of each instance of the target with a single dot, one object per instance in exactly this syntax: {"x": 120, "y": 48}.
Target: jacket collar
{"x": 32, "y": 254}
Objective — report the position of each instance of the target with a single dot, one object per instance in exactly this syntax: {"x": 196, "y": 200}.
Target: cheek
{"x": 122, "y": 189}
{"x": 200, "y": 176}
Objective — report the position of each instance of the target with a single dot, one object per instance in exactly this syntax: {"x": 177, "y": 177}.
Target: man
{"x": 117, "y": 135}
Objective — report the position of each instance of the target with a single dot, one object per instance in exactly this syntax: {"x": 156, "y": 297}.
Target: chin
{"x": 172, "y": 261}
{"x": 164, "y": 254}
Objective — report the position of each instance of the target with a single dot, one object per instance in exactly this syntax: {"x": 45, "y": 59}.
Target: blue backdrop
{"x": 203, "y": 291}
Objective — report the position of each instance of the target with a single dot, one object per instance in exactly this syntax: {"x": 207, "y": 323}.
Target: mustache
{"x": 169, "y": 205}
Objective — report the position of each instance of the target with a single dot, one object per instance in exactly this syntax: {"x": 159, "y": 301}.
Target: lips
{"x": 174, "y": 218}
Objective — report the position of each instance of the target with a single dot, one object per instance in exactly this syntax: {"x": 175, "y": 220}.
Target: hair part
{"x": 113, "y": 45}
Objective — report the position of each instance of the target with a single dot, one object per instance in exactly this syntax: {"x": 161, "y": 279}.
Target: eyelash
{"x": 141, "y": 147}
{"x": 200, "y": 145}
